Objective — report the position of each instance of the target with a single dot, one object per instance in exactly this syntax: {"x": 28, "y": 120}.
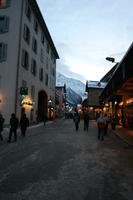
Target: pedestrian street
{"x": 56, "y": 162}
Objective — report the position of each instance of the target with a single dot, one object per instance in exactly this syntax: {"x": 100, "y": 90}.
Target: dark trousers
{"x": 15, "y": 134}
{"x": 23, "y": 131}
{"x": 86, "y": 125}
{"x": 105, "y": 129}
{"x": 1, "y": 136}
{"x": 100, "y": 133}
{"x": 76, "y": 126}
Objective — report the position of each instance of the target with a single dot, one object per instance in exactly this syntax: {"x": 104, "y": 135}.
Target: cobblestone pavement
{"x": 57, "y": 163}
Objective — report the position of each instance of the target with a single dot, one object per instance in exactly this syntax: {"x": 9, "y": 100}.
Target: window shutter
{"x": 26, "y": 8}
{"x": 1, "y": 52}
{"x": 24, "y": 32}
{"x": 4, "y": 52}
{"x": 6, "y": 24}
{"x": 8, "y": 3}
{"x": 23, "y": 58}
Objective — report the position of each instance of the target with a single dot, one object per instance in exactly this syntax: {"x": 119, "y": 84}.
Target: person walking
{"x": 86, "y": 121}
{"x": 106, "y": 121}
{"x": 24, "y": 123}
{"x": 101, "y": 126}
{"x": 13, "y": 127}
{"x": 1, "y": 126}
{"x": 76, "y": 120}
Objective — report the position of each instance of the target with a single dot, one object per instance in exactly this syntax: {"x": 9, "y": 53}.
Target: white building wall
{"x": 27, "y": 75}
{"x": 8, "y": 68}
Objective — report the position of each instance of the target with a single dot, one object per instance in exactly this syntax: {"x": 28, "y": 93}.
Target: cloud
{"x": 66, "y": 70}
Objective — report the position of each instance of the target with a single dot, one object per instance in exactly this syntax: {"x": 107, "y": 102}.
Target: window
{"x": 34, "y": 45}
{"x": 33, "y": 92}
{"x": 28, "y": 11}
{"x": 33, "y": 67}
{"x": 53, "y": 72}
{"x": 4, "y": 24}
{"x": 24, "y": 83}
{"x": 35, "y": 26}
{"x": 42, "y": 38}
{"x": 47, "y": 48}
{"x": 47, "y": 63}
{"x": 46, "y": 79}
{"x": 3, "y": 52}
{"x": 41, "y": 74}
{"x": 41, "y": 56}
{"x": 26, "y": 34}
{"x": 4, "y": 3}
{"x": 25, "y": 59}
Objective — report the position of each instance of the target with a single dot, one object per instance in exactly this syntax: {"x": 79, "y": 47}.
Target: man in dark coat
{"x": 13, "y": 127}
{"x": 76, "y": 120}
{"x": 1, "y": 125}
{"x": 86, "y": 121}
{"x": 24, "y": 123}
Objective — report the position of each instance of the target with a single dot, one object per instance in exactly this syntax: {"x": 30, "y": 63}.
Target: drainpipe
{"x": 19, "y": 48}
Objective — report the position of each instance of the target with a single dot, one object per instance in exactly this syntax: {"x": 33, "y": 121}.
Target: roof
{"x": 122, "y": 74}
{"x": 43, "y": 25}
{"x": 109, "y": 74}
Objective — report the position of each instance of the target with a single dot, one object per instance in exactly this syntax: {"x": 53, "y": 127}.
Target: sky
{"x": 85, "y": 32}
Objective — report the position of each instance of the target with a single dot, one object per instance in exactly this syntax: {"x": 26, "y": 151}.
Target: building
{"x": 94, "y": 89}
{"x": 119, "y": 90}
{"x": 27, "y": 60}
{"x": 60, "y": 100}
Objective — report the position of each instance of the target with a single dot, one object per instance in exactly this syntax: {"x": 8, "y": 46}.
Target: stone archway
{"x": 42, "y": 105}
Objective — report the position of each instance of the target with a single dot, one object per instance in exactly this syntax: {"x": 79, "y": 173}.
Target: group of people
{"x": 76, "y": 119}
{"x": 14, "y": 124}
{"x": 102, "y": 123}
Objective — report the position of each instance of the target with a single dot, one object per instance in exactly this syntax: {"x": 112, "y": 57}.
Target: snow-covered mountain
{"x": 72, "y": 98}
{"x": 76, "y": 85}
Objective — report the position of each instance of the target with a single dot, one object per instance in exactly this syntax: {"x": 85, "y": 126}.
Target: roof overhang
{"x": 121, "y": 82}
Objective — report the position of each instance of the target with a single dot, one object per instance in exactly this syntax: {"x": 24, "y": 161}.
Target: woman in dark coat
{"x": 24, "y": 123}
{"x": 1, "y": 126}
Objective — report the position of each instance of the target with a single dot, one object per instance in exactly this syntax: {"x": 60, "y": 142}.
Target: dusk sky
{"x": 85, "y": 32}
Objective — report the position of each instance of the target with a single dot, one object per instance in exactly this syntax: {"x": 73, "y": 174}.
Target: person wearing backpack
{"x": 101, "y": 126}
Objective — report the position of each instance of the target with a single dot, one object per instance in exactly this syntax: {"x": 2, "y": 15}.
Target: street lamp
{"x": 111, "y": 59}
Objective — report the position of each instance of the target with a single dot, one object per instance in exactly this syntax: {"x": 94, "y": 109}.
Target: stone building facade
{"x": 27, "y": 60}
